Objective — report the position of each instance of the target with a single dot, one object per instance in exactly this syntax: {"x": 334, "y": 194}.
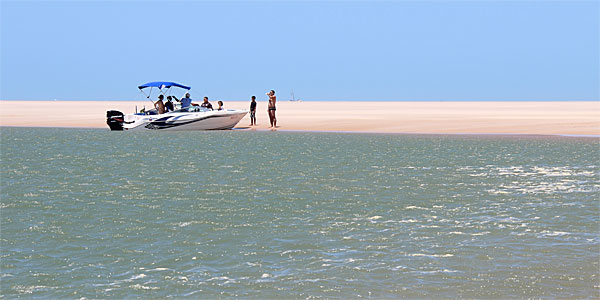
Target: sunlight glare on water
{"x": 100, "y": 214}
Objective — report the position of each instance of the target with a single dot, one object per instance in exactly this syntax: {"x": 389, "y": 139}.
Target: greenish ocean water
{"x": 289, "y": 215}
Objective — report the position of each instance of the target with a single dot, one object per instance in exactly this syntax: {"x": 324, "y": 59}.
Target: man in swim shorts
{"x": 271, "y": 109}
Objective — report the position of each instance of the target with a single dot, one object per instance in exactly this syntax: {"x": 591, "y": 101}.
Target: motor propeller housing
{"x": 114, "y": 119}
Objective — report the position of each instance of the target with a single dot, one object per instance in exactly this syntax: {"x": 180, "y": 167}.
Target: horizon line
{"x": 313, "y": 100}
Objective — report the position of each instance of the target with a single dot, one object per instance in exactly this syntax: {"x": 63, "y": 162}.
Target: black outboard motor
{"x": 114, "y": 119}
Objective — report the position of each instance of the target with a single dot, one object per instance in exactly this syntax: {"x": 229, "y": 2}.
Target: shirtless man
{"x": 271, "y": 108}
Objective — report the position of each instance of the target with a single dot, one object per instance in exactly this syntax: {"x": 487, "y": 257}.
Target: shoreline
{"x": 352, "y": 132}
{"x": 325, "y": 101}
{"x": 551, "y": 118}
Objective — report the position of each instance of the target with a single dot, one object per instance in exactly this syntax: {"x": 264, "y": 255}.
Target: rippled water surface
{"x": 239, "y": 214}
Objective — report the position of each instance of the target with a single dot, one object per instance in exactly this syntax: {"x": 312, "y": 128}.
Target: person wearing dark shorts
{"x": 271, "y": 109}
{"x": 253, "y": 111}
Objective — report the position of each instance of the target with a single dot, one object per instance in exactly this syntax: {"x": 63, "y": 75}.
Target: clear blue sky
{"x": 395, "y": 50}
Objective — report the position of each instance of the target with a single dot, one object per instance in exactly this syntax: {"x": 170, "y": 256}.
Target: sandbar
{"x": 536, "y": 118}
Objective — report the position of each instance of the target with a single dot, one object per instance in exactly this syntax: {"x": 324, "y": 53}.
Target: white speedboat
{"x": 187, "y": 118}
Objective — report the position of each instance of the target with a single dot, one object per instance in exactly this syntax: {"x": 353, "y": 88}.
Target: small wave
{"x": 22, "y": 289}
{"x": 429, "y": 226}
{"x": 313, "y": 280}
{"x": 140, "y": 276}
{"x": 143, "y": 287}
{"x": 415, "y": 207}
{"x": 219, "y": 278}
{"x": 158, "y": 269}
{"x": 6, "y": 205}
{"x": 431, "y": 255}
{"x": 408, "y": 221}
{"x": 478, "y": 174}
{"x": 480, "y": 233}
{"x": 437, "y": 271}
{"x": 290, "y": 251}
{"x": 553, "y": 233}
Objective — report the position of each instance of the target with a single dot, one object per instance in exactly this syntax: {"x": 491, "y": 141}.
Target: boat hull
{"x": 184, "y": 121}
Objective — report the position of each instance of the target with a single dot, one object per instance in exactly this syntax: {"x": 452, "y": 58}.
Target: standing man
{"x": 271, "y": 108}
{"x": 253, "y": 111}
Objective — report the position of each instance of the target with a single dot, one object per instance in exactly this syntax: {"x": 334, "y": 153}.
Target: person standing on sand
{"x": 271, "y": 108}
{"x": 253, "y": 111}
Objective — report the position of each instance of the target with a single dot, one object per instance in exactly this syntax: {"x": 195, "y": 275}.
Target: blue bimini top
{"x": 162, "y": 85}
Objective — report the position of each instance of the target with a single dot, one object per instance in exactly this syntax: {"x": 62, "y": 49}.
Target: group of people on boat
{"x": 164, "y": 107}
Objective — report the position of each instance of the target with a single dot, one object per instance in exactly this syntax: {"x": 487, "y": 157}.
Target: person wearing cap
{"x": 185, "y": 102}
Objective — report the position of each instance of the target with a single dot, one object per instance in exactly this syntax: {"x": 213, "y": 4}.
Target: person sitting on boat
{"x": 206, "y": 104}
{"x": 159, "y": 105}
{"x": 220, "y": 105}
{"x": 169, "y": 105}
{"x": 186, "y": 101}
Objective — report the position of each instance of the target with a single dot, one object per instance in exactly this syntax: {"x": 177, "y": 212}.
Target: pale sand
{"x": 547, "y": 118}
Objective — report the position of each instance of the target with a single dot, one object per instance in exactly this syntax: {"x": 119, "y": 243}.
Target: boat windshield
{"x": 192, "y": 109}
